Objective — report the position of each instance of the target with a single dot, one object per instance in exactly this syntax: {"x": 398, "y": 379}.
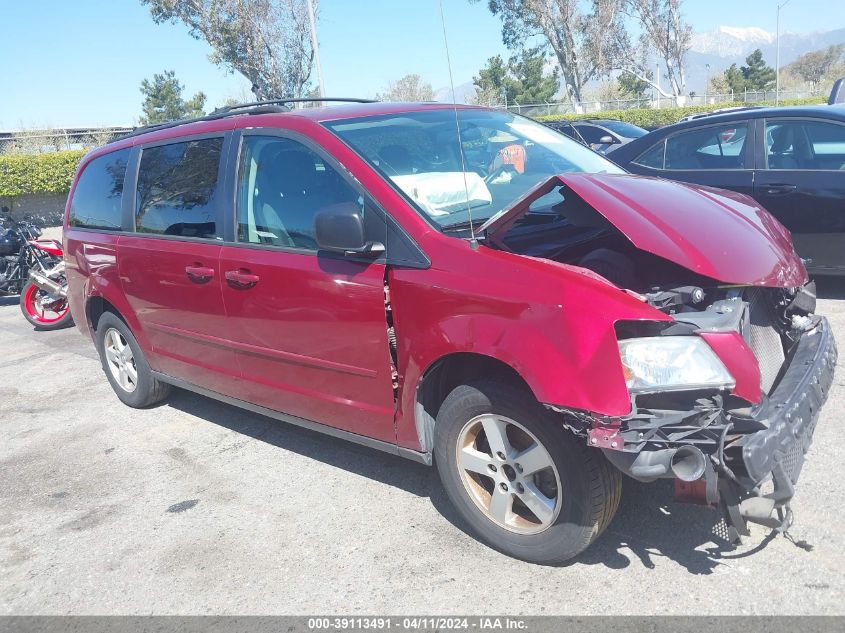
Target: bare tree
{"x": 813, "y": 67}
{"x": 267, "y": 41}
{"x": 663, "y": 33}
{"x": 584, "y": 42}
{"x": 409, "y": 88}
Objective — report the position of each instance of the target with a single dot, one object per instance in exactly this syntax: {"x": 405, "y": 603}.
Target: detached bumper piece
{"x": 789, "y": 418}
{"x": 792, "y": 410}
{"x": 752, "y": 457}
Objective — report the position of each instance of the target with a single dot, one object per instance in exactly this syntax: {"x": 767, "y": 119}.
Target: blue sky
{"x": 80, "y": 62}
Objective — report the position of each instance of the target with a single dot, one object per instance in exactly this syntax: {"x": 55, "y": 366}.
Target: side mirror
{"x": 340, "y": 228}
{"x": 607, "y": 140}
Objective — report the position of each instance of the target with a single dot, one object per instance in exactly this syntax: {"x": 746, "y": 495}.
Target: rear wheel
{"x": 125, "y": 365}
{"x": 43, "y": 310}
{"x": 526, "y": 486}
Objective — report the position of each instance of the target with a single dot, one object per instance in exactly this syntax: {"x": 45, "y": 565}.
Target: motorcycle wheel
{"x": 53, "y": 317}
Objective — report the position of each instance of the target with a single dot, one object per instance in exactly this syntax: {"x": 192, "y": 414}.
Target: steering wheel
{"x": 496, "y": 167}
{"x": 493, "y": 173}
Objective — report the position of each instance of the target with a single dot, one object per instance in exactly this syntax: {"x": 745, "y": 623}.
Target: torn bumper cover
{"x": 730, "y": 453}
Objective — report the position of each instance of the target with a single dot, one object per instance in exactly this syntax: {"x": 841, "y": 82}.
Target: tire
{"x": 55, "y": 318}
{"x": 579, "y": 484}
{"x": 140, "y": 388}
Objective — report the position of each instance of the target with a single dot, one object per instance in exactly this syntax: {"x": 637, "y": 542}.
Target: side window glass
{"x": 795, "y": 144}
{"x": 177, "y": 187}
{"x": 96, "y": 202}
{"x": 282, "y": 186}
{"x": 568, "y": 131}
{"x": 712, "y": 147}
{"x": 652, "y": 157}
{"x": 591, "y": 133}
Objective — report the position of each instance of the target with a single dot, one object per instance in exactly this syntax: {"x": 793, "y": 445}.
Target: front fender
{"x": 553, "y": 324}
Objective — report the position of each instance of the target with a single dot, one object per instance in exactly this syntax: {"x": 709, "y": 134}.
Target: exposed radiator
{"x": 762, "y": 336}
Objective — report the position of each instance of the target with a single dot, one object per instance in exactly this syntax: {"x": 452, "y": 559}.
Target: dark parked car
{"x": 791, "y": 160}
{"x": 602, "y": 135}
{"x": 458, "y": 286}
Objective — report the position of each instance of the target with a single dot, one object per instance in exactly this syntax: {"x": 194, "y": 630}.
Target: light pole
{"x": 706, "y": 82}
{"x": 657, "y": 79}
{"x": 316, "y": 47}
{"x": 777, "y": 54}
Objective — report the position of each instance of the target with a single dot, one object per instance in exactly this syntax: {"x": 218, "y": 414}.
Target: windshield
{"x": 504, "y": 157}
{"x": 625, "y": 129}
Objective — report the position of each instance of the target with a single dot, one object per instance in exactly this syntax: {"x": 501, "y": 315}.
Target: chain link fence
{"x": 54, "y": 140}
{"x": 39, "y": 141}
{"x": 589, "y": 106}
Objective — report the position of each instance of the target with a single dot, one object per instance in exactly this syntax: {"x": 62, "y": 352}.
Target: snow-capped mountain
{"x": 713, "y": 51}
{"x": 729, "y": 41}
{"x": 463, "y": 92}
{"x": 731, "y": 44}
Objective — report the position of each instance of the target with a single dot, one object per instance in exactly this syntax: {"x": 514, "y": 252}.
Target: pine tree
{"x": 531, "y": 84}
{"x": 163, "y": 100}
{"x": 758, "y": 75}
{"x": 492, "y": 85}
{"x": 521, "y": 80}
{"x": 735, "y": 79}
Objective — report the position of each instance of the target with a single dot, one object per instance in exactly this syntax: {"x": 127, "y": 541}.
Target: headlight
{"x": 668, "y": 363}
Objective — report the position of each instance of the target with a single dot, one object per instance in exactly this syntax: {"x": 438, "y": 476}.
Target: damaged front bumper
{"x": 790, "y": 413}
{"x": 746, "y": 459}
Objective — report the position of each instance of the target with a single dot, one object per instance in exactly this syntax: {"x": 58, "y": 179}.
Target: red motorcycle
{"x": 35, "y": 269}
{"x": 44, "y": 297}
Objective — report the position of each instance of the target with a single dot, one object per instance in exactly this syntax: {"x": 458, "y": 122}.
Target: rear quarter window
{"x": 712, "y": 147}
{"x": 652, "y": 157}
{"x": 97, "y": 199}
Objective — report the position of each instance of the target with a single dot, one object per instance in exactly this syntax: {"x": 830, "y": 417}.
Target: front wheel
{"x": 43, "y": 310}
{"x": 526, "y": 486}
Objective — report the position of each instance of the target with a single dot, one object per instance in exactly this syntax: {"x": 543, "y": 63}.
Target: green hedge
{"x": 651, "y": 118}
{"x": 51, "y": 172}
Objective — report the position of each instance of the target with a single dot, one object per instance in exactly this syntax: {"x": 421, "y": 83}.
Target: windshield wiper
{"x": 464, "y": 224}
{"x": 518, "y": 202}
{"x": 457, "y": 207}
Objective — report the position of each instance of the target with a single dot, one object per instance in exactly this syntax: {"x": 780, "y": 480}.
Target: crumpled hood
{"x": 717, "y": 233}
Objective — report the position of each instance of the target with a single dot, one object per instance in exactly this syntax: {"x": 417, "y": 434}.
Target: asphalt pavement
{"x": 197, "y": 507}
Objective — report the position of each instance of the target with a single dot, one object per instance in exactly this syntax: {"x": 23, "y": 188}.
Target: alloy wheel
{"x": 509, "y": 474}
{"x": 120, "y": 360}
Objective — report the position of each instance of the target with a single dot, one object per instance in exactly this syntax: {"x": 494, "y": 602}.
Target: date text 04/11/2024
{"x": 418, "y": 623}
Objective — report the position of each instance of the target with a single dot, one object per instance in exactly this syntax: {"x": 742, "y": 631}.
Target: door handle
{"x": 199, "y": 274}
{"x": 777, "y": 189}
{"x": 241, "y": 279}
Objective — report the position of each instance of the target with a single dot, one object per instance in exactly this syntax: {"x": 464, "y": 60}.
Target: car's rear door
{"x": 170, "y": 265}
{"x": 309, "y": 327}
{"x": 718, "y": 155}
{"x": 801, "y": 181}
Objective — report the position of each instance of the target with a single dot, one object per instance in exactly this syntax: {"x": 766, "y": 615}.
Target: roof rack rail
{"x": 268, "y": 102}
{"x": 701, "y": 115}
{"x": 256, "y": 107}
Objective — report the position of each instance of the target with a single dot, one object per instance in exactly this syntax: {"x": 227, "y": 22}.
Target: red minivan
{"x": 459, "y": 286}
